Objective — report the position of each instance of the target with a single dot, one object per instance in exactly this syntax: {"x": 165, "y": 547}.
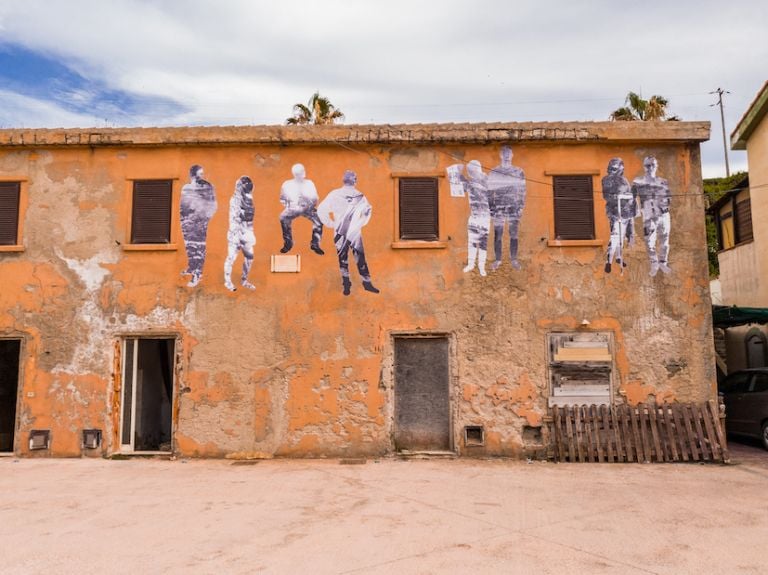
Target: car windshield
{"x": 736, "y": 383}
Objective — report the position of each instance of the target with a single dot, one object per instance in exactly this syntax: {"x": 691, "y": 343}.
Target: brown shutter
{"x": 419, "y": 213}
{"x": 574, "y": 208}
{"x": 9, "y": 213}
{"x": 743, "y": 222}
{"x": 151, "y": 219}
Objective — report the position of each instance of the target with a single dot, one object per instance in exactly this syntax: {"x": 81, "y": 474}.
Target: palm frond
{"x": 623, "y": 114}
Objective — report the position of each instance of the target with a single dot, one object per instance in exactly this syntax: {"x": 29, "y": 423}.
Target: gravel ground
{"x": 385, "y": 516}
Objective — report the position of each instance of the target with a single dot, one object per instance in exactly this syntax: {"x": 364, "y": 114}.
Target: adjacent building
{"x": 341, "y": 290}
{"x": 743, "y": 242}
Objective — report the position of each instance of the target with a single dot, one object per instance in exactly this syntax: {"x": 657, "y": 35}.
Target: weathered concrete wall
{"x": 295, "y": 367}
{"x": 740, "y": 275}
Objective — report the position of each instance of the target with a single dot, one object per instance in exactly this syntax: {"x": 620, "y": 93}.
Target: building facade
{"x": 743, "y": 242}
{"x": 341, "y": 290}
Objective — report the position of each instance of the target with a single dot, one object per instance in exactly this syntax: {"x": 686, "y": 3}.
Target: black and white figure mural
{"x": 506, "y": 198}
{"x": 479, "y": 222}
{"x": 299, "y": 196}
{"x": 198, "y": 204}
{"x": 455, "y": 180}
{"x": 621, "y": 210}
{"x": 347, "y": 210}
{"x": 240, "y": 237}
{"x": 654, "y": 195}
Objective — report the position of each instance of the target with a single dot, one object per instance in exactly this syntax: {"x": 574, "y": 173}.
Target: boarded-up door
{"x": 422, "y": 413}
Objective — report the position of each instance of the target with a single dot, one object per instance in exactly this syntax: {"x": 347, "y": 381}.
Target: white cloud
{"x": 248, "y": 61}
{"x": 18, "y": 111}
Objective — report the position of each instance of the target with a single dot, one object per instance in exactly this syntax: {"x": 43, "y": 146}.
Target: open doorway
{"x": 10, "y": 352}
{"x": 146, "y": 413}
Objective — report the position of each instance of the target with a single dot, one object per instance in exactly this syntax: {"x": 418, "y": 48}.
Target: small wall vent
{"x": 474, "y": 435}
{"x": 39, "y": 439}
{"x": 91, "y": 438}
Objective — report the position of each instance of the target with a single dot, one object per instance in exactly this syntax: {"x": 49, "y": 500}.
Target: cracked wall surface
{"x": 295, "y": 368}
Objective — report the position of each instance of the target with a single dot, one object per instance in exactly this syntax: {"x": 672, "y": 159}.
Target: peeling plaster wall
{"x": 295, "y": 368}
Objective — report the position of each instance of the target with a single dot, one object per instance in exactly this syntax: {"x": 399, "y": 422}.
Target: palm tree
{"x": 318, "y": 110}
{"x": 654, "y": 108}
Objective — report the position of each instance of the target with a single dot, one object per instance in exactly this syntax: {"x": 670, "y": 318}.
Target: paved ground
{"x": 385, "y": 517}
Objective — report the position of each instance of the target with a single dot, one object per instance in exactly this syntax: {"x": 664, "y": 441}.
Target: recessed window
{"x": 734, "y": 220}
{"x": 419, "y": 209}
{"x": 151, "y": 214}
{"x": 743, "y": 223}
{"x": 9, "y": 213}
{"x": 580, "y": 366}
{"x": 574, "y": 207}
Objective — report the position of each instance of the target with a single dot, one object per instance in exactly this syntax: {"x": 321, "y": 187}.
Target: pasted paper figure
{"x": 299, "y": 196}
{"x": 479, "y": 222}
{"x": 621, "y": 210}
{"x": 653, "y": 193}
{"x": 240, "y": 237}
{"x": 506, "y": 198}
{"x": 198, "y": 204}
{"x": 454, "y": 179}
{"x": 346, "y": 210}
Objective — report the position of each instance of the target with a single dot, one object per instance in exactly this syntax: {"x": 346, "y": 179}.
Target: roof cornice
{"x": 750, "y": 120}
{"x": 561, "y": 132}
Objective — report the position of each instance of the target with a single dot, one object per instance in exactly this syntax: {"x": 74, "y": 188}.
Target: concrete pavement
{"x": 387, "y": 516}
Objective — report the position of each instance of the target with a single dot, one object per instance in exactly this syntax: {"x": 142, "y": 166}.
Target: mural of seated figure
{"x": 299, "y": 198}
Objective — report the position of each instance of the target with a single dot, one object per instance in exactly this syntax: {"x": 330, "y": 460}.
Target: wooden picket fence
{"x": 642, "y": 433}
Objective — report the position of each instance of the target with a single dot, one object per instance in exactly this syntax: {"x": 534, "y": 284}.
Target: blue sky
{"x": 83, "y": 63}
{"x": 51, "y": 79}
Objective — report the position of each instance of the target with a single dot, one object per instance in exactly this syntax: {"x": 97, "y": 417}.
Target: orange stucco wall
{"x": 295, "y": 367}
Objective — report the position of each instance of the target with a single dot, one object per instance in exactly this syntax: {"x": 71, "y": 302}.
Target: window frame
{"x": 171, "y": 244}
{"x": 587, "y": 178}
{"x": 21, "y": 209}
{"x": 556, "y": 366}
{"x": 552, "y": 241}
{"x": 732, "y": 214}
{"x": 398, "y": 241}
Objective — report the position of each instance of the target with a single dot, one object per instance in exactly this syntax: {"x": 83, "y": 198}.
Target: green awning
{"x": 731, "y": 315}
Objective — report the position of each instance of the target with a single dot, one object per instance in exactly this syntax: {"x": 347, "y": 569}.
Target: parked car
{"x": 745, "y": 394}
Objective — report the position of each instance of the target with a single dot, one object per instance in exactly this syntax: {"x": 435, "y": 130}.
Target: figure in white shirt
{"x": 299, "y": 196}
{"x": 346, "y": 210}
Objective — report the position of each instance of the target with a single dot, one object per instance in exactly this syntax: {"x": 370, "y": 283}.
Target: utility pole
{"x": 720, "y": 93}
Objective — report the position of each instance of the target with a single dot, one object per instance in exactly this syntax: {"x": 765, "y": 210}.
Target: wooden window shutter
{"x": 151, "y": 217}
{"x": 9, "y": 213}
{"x": 419, "y": 214}
{"x": 743, "y": 223}
{"x": 574, "y": 208}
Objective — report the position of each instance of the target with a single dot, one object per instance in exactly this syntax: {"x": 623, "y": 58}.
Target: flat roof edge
{"x": 566, "y": 132}
{"x": 751, "y": 118}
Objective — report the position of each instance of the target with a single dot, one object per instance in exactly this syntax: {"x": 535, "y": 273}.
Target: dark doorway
{"x": 147, "y": 395}
{"x": 10, "y": 352}
{"x": 422, "y": 406}
{"x": 756, "y": 348}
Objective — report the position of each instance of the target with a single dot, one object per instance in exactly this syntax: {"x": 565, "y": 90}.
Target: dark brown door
{"x": 422, "y": 409}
